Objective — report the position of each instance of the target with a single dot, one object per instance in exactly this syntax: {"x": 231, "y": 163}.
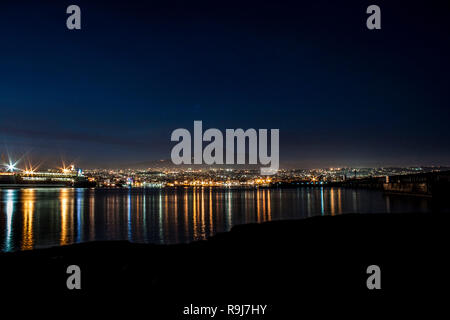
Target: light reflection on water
{"x": 35, "y": 218}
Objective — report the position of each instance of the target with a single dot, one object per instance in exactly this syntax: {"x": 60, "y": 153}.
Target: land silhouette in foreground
{"x": 317, "y": 263}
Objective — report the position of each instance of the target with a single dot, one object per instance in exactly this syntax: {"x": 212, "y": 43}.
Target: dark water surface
{"x": 36, "y": 218}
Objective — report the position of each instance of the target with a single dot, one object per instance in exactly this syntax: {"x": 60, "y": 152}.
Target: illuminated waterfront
{"x": 36, "y": 218}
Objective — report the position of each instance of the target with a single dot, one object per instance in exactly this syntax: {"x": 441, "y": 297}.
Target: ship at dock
{"x": 52, "y": 178}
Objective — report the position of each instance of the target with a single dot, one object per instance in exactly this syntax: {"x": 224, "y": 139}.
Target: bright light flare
{"x": 11, "y": 167}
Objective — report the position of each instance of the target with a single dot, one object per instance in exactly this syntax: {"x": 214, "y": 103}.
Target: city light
{"x": 69, "y": 169}
{"x": 11, "y": 167}
{"x": 29, "y": 169}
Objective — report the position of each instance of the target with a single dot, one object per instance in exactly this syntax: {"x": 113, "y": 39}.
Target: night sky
{"x": 112, "y": 93}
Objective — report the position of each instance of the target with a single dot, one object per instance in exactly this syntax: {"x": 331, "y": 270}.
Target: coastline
{"x": 320, "y": 256}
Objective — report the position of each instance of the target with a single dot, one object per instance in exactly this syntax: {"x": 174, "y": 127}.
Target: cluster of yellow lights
{"x": 263, "y": 181}
{"x": 65, "y": 169}
{"x": 30, "y": 170}
{"x": 219, "y": 183}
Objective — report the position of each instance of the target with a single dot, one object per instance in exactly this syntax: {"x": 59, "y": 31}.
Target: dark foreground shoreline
{"x": 286, "y": 264}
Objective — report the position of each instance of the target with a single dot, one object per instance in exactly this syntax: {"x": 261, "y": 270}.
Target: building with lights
{"x": 63, "y": 178}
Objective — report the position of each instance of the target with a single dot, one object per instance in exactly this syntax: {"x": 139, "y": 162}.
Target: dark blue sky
{"x": 113, "y": 92}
